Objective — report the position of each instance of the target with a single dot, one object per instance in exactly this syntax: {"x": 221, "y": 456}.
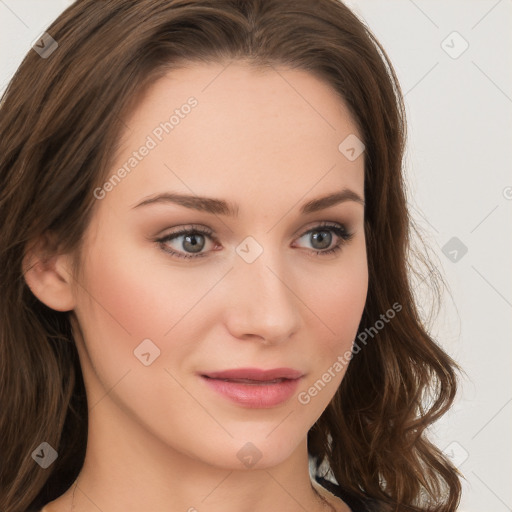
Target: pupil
{"x": 191, "y": 239}
{"x": 323, "y": 235}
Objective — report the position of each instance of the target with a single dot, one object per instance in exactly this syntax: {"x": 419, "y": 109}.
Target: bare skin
{"x": 160, "y": 439}
{"x": 331, "y": 503}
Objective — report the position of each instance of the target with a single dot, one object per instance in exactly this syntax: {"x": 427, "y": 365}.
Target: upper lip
{"x": 255, "y": 374}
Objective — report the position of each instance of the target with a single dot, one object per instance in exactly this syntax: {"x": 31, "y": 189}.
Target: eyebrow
{"x": 221, "y": 207}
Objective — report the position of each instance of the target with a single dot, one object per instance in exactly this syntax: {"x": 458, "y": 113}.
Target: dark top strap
{"x": 355, "y": 503}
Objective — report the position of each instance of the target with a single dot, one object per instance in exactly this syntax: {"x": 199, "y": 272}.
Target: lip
{"x": 256, "y": 374}
{"x": 254, "y": 387}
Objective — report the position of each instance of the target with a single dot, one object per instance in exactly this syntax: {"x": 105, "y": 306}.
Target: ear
{"x": 48, "y": 274}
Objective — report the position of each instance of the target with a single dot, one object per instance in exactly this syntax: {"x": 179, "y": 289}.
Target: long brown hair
{"x": 61, "y": 117}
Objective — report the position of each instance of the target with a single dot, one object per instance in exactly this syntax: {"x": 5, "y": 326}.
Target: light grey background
{"x": 460, "y": 185}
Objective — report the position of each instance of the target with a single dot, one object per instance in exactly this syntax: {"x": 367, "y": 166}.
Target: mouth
{"x": 255, "y": 374}
{"x": 253, "y": 387}
{"x": 249, "y": 381}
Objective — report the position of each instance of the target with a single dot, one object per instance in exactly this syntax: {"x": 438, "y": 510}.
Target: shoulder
{"x": 355, "y": 503}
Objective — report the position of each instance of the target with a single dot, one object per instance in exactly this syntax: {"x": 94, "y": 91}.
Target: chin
{"x": 247, "y": 450}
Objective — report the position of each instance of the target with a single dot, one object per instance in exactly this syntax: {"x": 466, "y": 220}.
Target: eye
{"x": 321, "y": 237}
{"x": 194, "y": 238}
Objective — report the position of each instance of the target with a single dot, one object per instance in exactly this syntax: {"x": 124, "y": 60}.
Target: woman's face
{"x": 243, "y": 290}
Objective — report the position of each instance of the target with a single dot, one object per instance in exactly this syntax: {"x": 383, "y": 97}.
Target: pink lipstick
{"x": 253, "y": 387}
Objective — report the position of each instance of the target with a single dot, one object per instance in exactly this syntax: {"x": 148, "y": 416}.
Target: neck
{"x": 128, "y": 469}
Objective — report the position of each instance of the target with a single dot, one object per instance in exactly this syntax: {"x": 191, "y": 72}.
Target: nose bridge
{"x": 264, "y": 303}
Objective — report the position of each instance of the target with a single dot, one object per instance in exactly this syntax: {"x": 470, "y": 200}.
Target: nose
{"x": 263, "y": 305}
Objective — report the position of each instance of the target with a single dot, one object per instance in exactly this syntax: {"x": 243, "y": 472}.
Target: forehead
{"x": 231, "y": 127}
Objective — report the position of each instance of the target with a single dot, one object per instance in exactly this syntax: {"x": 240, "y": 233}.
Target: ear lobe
{"x": 48, "y": 276}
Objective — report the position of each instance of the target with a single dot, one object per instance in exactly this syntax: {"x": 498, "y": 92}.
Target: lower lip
{"x": 254, "y": 395}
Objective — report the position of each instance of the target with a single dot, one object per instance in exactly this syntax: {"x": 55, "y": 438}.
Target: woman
{"x": 204, "y": 268}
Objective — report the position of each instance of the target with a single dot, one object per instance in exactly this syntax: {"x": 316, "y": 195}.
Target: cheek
{"x": 338, "y": 296}
{"x": 129, "y": 294}
{"x": 120, "y": 304}
{"x": 126, "y": 299}
{"x": 340, "y": 309}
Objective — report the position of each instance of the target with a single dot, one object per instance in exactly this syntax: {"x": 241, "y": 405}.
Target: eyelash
{"x": 338, "y": 229}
